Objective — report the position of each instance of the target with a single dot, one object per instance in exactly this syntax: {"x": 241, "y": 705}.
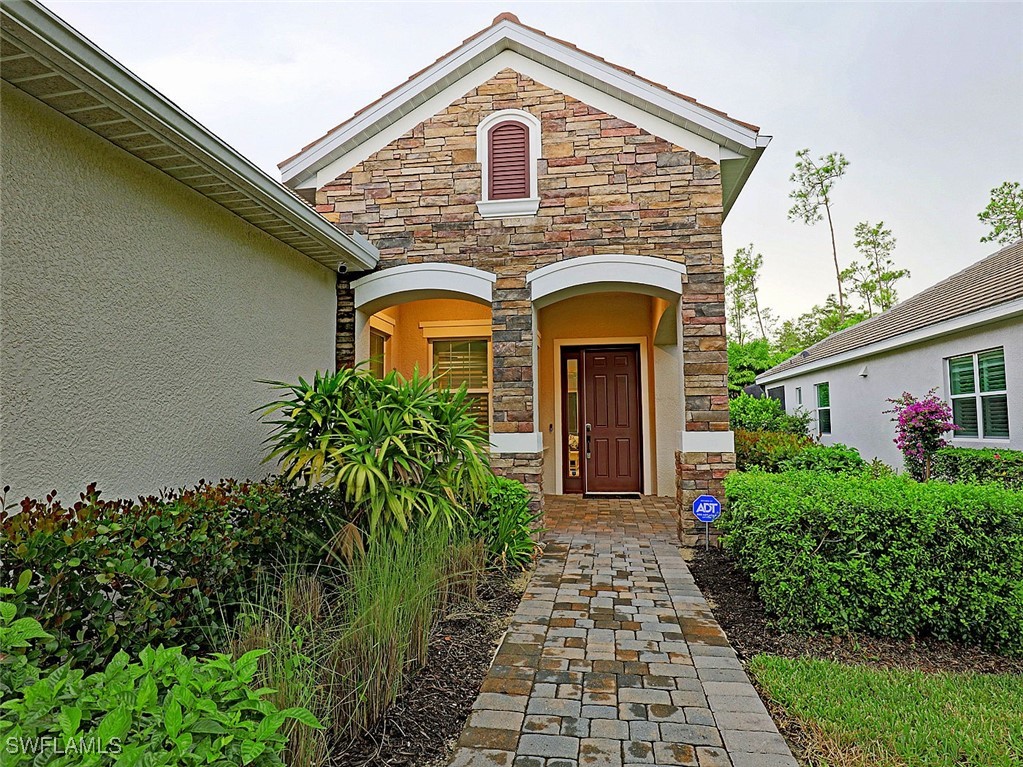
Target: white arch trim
{"x": 413, "y": 282}
{"x": 601, "y": 274}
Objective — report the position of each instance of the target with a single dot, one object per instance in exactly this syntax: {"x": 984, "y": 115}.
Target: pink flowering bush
{"x": 920, "y": 424}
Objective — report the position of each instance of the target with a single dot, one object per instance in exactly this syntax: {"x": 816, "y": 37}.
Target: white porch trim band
{"x": 521, "y": 442}
{"x": 706, "y": 442}
{"x": 412, "y": 282}
{"x": 605, "y": 273}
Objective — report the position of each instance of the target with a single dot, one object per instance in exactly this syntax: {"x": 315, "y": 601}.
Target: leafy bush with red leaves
{"x": 121, "y": 574}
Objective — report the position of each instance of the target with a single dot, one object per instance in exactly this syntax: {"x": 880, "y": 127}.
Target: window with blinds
{"x": 465, "y": 362}
{"x": 508, "y": 146}
{"x": 978, "y": 390}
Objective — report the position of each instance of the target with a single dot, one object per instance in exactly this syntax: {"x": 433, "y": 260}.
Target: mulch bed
{"x": 430, "y": 712}
{"x": 740, "y": 612}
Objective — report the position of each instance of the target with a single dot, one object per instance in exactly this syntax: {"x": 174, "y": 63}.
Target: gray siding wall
{"x": 858, "y": 402}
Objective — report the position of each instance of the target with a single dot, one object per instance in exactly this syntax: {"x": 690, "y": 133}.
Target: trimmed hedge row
{"x": 888, "y": 556}
{"x": 958, "y": 464}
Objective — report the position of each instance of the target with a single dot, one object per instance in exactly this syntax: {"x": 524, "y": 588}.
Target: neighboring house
{"x": 962, "y": 337}
{"x": 549, "y": 227}
{"x": 150, "y": 275}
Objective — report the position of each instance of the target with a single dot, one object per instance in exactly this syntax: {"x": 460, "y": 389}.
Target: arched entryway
{"x": 432, "y": 317}
{"x": 609, "y": 358}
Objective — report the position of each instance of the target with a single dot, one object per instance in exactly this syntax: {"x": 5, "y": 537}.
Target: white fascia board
{"x": 630, "y": 85}
{"x": 458, "y": 67}
{"x": 77, "y": 58}
{"x": 732, "y": 184}
{"x": 538, "y": 72}
{"x": 1003, "y": 311}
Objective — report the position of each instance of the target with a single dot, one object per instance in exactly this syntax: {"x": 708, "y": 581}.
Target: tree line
{"x": 866, "y": 286}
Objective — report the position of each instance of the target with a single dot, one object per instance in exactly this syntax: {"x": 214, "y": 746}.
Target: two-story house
{"x": 549, "y": 228}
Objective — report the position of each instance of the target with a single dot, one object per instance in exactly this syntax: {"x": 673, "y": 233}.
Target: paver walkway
{"x": 614, "y": 658}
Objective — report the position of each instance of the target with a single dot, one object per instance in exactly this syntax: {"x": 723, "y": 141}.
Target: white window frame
{"x": 464, "y": 330}
{"x": 527, "y": 206}
{"x": 799, "y": 395}
{"x": 818, "y": 408}
{"x": 977, "y": 394}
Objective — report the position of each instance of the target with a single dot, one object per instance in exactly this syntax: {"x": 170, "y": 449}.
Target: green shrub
{"x": 838, "y": 459}
{"x": 767, "y": 450}
{"x": 889, "y": 556}
{"x": 120, "y": 575}
{"x": 506, "y": 524}
{"x": 958, "y": 464}
{"x": 399, "y": 450}
{"x": 765, "y": 414}
{"x": 17, "y": 635}
{"x": 167, "y": 709}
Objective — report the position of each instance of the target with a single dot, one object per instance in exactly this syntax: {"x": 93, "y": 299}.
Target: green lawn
{"x": 855, "y": 715}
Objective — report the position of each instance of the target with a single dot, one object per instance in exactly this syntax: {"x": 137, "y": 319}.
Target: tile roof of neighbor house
{"x": 48, "y": 59}
{"x": 511, "y": 17}
{"x": 989, "y": 282}
{"x": 507, "y": 33}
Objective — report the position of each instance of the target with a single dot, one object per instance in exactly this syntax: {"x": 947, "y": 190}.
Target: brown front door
{"x": 604, "y": 455}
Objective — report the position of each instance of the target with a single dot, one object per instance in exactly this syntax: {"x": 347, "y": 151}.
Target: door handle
{"x": 588, "y": 427}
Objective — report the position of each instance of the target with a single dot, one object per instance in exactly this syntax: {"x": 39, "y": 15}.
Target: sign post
{"x": 707, "y": 508}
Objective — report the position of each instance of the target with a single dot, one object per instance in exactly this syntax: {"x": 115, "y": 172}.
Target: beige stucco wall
{"x": 135, "y": 318}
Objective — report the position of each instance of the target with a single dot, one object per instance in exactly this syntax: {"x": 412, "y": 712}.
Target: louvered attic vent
{"x": 509, "y": 161}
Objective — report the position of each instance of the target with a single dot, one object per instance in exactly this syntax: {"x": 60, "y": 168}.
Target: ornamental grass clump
{"x": 342, "y": 641}
{"x": 920, "y": 424}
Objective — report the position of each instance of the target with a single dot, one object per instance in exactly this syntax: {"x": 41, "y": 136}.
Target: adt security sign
{"x": 707, "y": 508}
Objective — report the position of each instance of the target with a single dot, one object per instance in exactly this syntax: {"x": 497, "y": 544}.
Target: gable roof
{"x": 993, "y": 283}
{"x": 741, "y": 143}
{"x": 48, "y": 59}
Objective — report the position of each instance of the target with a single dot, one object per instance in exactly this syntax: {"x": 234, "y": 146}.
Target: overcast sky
{"x": 924, "y": 99}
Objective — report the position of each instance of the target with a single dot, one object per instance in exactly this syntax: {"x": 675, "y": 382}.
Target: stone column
{"x": 699, "y": 473}
{"x": 706, "y": 454}
{"x": 344, "y": 345}
{"x": 513, "y": 391}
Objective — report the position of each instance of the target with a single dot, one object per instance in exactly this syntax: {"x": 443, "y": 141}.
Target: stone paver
{"x": 613, "y": 658}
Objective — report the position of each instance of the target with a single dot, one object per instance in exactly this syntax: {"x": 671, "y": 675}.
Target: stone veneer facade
{"x": 606, "y": 187}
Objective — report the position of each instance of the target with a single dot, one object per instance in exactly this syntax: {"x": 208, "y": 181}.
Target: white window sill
{"x": 507, "y": 208}
{"x": 1001, "y": 441}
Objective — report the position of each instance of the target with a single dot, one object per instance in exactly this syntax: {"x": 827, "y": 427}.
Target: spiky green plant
{"x": 401, "y": 450}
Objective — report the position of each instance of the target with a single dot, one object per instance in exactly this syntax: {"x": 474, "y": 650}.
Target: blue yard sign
{"x": 707, "y": 508}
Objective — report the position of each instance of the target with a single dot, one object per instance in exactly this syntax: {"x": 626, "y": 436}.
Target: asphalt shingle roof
{"x": 991, "y": 281}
